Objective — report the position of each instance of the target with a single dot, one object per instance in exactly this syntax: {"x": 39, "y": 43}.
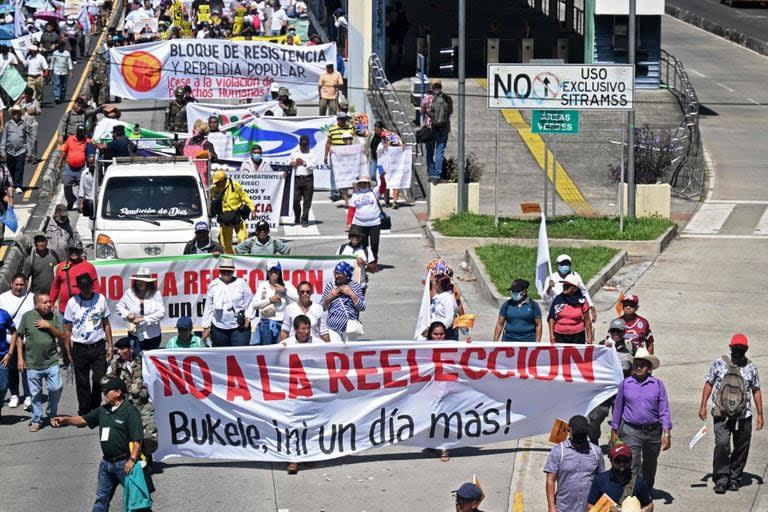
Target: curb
{"x": 728, "y": 33}
{"x": 489, "y": 289}
{"x": 633, "y": 248}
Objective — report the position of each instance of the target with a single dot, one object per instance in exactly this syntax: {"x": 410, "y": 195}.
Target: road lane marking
{"x": 566, "y": 187}
{"x": 723, "y": 237}
{"x": 736, "y": 201}
{"x": 753, "y": 101}
{"x": 725, "y": 87}
{"x": 293, "y": 230}
{"x": 710, "y": 218}
{"x": 702, "y": 75}
{"x": 762, "y": 225}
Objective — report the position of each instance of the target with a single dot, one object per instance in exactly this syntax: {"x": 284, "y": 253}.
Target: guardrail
{"x": 387, "y": 108}
{"x": 687, "y": 176}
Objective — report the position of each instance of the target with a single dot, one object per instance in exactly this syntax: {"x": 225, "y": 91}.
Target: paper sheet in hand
{"x": 559, "y": 431}
{"x": 604, "y": 504}
{"x": 701, "y": 433}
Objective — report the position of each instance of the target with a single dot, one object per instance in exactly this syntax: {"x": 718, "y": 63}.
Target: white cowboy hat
{"x": 642, "y": 353}
{"x": 631, "y": 504}
{"x": 143, "y": 274}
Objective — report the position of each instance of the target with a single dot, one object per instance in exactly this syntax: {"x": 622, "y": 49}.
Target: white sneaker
{"x": 28, "y": 403}
{"x": 13, "y": 402}
{"x": 19, "y": 190}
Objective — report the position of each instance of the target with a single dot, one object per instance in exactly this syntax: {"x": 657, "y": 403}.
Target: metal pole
{"x": 621, "y": 183}
{"x": 546, "y": 177}
{"x": 461, "y": 200}
{"x": 632, "y": 46}
{"x": 554, "y": 181}
{"x": 496, "y": 172}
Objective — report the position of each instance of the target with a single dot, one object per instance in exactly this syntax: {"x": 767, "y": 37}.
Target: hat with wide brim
{"x": 642, "y": 353}
{"x": 144, "y": 275}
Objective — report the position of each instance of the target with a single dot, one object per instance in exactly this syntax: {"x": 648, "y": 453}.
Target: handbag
{"x": 424, "y": 134}
{"x": 267, "y": 311}
{"x": 354, "y": 327}
{"x": 229, "y": 218}
{"x": 385, "y": 221}
{"x": 9, "y": 219}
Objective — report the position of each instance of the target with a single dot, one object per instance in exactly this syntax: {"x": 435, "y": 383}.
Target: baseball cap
{"x": 184, "y": 323}
{"x": 113, "y": 385}
{"x": 518, "y": 285}
{"x": 578, "y": 424}
{"x": 202, "y": 226}
{"x": 39, "y": 234}
{"x": 631, "y": 298}
{"x": 469, "y": 492}
{"x": 84, "y": 278}
{"x": 262, "y": 225}
{"x": 617, "y": 324}
{"x": 563, "y": 257}
{"x": 739, "y": 340}
{"x": 274, "y": 264}
{"x": 75, "y": 245}
{"x": 572, "y": 279}
{"x": 219, "y": 176}
{"x": 620, "y": 450}
{"x": 341, "y": 115}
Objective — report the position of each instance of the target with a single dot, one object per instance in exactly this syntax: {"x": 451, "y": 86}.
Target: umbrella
{"x": 54, "y": 16}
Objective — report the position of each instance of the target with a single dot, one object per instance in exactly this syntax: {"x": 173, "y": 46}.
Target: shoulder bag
{"x": 354, "y": 327}
{"x": 386, "y": 220}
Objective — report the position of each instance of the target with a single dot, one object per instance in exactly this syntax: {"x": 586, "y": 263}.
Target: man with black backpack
{"x": 436, "y": 110}
{"x": 732, "y": 379}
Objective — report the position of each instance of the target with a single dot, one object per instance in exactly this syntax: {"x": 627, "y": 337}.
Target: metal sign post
{"x": 546, "y": 178}
{"x": 554, "y": 182}
{"x": 496, "y": 172}
{"x": 621, "y": 184}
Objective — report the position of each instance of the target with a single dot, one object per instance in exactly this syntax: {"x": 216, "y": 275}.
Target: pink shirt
{"x": 570, "y": 320}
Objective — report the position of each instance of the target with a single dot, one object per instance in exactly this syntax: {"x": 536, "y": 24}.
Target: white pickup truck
{"x": 147, "y": 207}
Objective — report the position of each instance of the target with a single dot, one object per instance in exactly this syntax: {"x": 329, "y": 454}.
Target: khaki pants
{"x": 329, "y": 106}
{"x": 225, "y": 236}
{"x": 36, "y": 83}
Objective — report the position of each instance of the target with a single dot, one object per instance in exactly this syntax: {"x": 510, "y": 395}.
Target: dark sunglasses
{"x": 305, "y": 292}
{"x": 630, "y": 304}
{"x": 622, "y": 460}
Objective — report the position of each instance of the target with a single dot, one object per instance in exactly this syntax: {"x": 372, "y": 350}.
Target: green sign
{"x": 555, "y": 121}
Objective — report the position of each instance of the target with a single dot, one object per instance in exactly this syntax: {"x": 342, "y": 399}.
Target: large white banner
{"x": 348, "y": 163}
{"x": 266, "y": 192}
{"x": 183, "y": 280}
{"x": 217, "y": 68}
{"x": 323, "y": 401}
{"x": 228, "y": 114}
{"x": 397, "y": 163}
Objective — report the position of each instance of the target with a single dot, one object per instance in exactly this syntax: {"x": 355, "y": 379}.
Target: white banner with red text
{"x": 265, "y": 189}
{"x": 323, "y": 401}
{"x": 228, "y": 114}
{"x": 217, "y": 68}
{"x": 183, "y": 280}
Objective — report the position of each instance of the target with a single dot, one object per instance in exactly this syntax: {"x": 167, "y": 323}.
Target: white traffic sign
{"x": 561, "y": 86}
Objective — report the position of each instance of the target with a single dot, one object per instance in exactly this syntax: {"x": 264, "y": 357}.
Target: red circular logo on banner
{"x": 141, "y": 71}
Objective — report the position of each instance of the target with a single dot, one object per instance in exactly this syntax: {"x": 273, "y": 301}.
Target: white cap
{"x": 563, "y": 257}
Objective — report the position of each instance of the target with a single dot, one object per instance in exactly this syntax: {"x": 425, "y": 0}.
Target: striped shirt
{"x": 342, "y": 308}
{"x": 336, "y": 132}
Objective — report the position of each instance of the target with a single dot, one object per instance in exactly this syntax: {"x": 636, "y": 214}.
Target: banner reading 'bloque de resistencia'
{"x": 217, "y": 68}
{"x": 323, "y": 401}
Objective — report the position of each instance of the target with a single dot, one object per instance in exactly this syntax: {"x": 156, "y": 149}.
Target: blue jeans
{"x": 60, "y": 87}
{"x": 229, "y": 337}
{"x": 53, "y": 382}
{"x": 3, "y": 385}
{"x": 110, "y": 474}
{"x": 267, "y": 332}
{"x": 436, "y": 152}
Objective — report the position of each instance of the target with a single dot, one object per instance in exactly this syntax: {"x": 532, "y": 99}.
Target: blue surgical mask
{"x": 256, "y": 157}
{"x": 564, "y": 269}
{"x": 517, "y": 296}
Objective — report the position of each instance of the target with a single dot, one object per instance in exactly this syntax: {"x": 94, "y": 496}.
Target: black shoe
{"x": 720, "y": 489}
{"x": 296, "y": 222}
{"x": 733, "y": 486}
{"x": 305, "y": 223}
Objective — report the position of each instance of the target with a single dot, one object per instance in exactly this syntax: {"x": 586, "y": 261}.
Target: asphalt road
{"x": 749, "y": 19}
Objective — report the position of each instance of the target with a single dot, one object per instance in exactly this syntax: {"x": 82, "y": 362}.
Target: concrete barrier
{"x": 731, "y": 34}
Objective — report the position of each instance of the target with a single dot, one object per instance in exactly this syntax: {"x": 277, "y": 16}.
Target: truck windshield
{"x": 156, "y": 197}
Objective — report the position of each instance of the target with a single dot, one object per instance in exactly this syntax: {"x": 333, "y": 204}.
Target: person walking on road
{"x": 468, "y": 497}
{"x": 553, "y": 286}
{"x": 270, "y": 300}
{"x": 569, "y": 320}
{"x": 304, "y": 164}
{"x": 328, "y": 87}
{"x": 621, "y": 481}
{"x": 88, "y": 341}
{"x": 73, "y": 160}
{"x": 362, "y": 253}
{"x": 65, "y": 285}
{"x": 74, "y": 119}
{"x": 256, "y": 163}
{"x": 436, "y": 111}
{"x": 7, "y": 351}
{"x": 37, "y": 70}
{"x": 39, "y": 266}
{"x": 305, "y": 307}
{"x": 121, "y": 437}
{"x": 638, "y": 331}
{"x": 203, "y": 243}
{"x": 16, "y": 302}
{"x": 730, "y": 381}
{"x": 37, "y": 337}
{"x": 6, "y": 195}
{"x": 225, "y": 320}
{"x": 229, "y": 201}
{"x": 641, "y": 416}
{"x": 61, "y": 233}
{"x": 143, "y": 308}
{"x": 343, "y": 299}
{"x": 61, "y": 66}
{"x": 336, "y": 135}
{"x": 519, "y": 317}
{"x": 365, "y": 213}
{"x": 30, "y": 109}
{"x": 571, "y": 467}
{"x": 15, "y": 143}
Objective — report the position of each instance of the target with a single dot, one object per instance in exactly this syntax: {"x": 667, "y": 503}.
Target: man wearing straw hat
{"x": 641, "y": 415}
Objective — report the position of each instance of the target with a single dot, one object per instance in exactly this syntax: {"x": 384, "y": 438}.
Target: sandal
{"x": 444, "y": 456}
{"x": 293, "y": 468}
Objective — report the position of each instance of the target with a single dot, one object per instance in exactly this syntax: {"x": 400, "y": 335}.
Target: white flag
{"x": 542, "y": 257}
{"x": 422, "y": 322}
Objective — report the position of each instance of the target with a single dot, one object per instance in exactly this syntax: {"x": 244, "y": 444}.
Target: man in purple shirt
{"x": 571, "y": 467}
{"x": 641, "y": 416}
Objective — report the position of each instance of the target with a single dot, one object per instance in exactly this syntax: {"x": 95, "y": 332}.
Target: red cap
{"x": 739, "y": 339}
{"x": 621, "y": 450}
{"x": 631, "y": 298}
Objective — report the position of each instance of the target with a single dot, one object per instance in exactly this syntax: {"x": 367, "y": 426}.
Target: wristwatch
{"x": 132, "y": 460}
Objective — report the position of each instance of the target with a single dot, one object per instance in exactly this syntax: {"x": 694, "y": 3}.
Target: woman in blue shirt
{"x": 519, "y": 317}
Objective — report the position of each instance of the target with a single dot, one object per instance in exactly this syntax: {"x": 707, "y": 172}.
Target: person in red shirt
{"x": 569, "y": 320}
{"x": 638, "y": 329}
{"x": 74, "y": 158}
{"x": 64, "y": 280}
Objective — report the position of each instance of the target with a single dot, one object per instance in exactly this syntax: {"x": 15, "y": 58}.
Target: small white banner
{"x": 397, "y": 163}
{"x": 348, "y": 163}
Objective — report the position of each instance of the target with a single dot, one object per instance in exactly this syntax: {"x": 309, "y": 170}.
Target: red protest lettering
{"x": 466, "y": 366}
{"x": 437, "y": 358}
{"x": 169, "y": 285}
{"x": 583, "y": 363}
{"x": 414, "y": 368}
{"x": 298, "y": 383}
{"x": 168, "y": 374}
{"x": 236, "y": 383}
{"x": 533, "y": 363}
{"x": 522, "y": 363}
{"x": 363, "y": 371}
{"x": 205, "y": 375}
{"x": 206, "y": 276}
{"x": 266, "y": 387}
{"x": 338, "y": 375}
{"x": 190, "y": 282}
{"x": 507, "y": 351}
{"x": 390, "y": 369}
{"x": 315, "y": 277}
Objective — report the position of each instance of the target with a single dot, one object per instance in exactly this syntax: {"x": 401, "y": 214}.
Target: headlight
{"x": 105, "y": 249}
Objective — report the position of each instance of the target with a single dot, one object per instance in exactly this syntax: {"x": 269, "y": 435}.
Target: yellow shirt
{"x": 234, "y": 196}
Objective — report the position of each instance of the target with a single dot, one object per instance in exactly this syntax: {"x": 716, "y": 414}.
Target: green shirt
{"x": 195, "y": 342}
{"x": 123, "y": 424}
{"x": 40, "y": 346}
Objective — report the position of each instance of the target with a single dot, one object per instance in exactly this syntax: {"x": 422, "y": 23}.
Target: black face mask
{"x": 579, "y": 438}
{"x": 738, "y": 353}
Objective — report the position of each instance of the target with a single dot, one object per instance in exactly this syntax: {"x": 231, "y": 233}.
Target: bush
{"x": 654, "y": 154}
{"x": 473, "y": 169}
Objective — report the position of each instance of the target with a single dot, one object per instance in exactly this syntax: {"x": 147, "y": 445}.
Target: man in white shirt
{"x": 61, "y": 65}
{"x": 308, "y": 309}
{"x": 88, "y": 342}
{"x": 37, "y": 68}
{"x": 304, "y": 163}
{"x": 279, "y": 19}
{"x": 16, "y": 302}
{"x": 256, "y": 163}
{"x": 302, "y": 332}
